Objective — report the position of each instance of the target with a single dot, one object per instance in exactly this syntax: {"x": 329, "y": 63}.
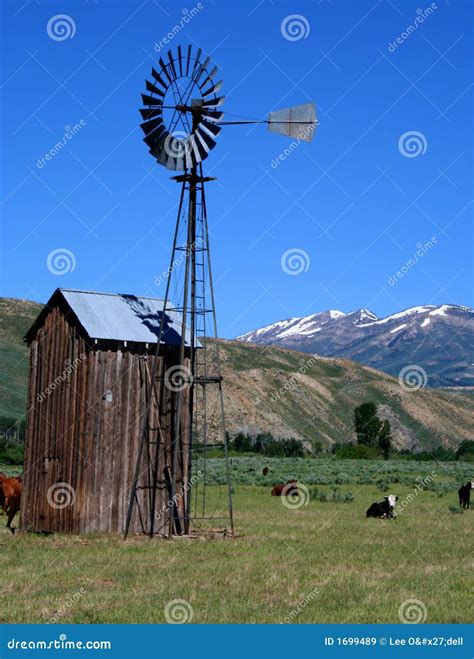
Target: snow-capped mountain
{"x": 438, "y": 339}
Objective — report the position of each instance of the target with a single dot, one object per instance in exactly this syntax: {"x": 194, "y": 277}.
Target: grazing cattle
{"x": 11, "y": 488}
{"x": 284, "y": 490}
{"x": 265, "y": 471}
{"x": 383, "y": 509}
{"x": 465, "y": 494}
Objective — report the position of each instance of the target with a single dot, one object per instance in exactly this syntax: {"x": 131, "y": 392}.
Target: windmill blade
{"x": 213, "y": 116}
{"x": 150, "y": 113}
{"x": 150, "y": 87}
{"x": 210, "y": 77}
{"x": 213, "y": 102}
{"x": 153, "y": 139}
{"x": 212, "y": 89}
{"x": 158, "y": 78}
{"x": 298, "y": 122}
{"x": 180, "y": 61}
{"x": 210, "y": 128}
{"x": 206, "y": 140}
{"x": 150, "y": 100}
{"x": 164, "y": 70}
{"x": 188, "y": 60}
{"x": 151, "y": 125}
{"x": 171, "y": 64}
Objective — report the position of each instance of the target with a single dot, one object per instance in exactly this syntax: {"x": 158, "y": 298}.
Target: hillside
{"x": 282, "y": 391}
{"x": 292, "y": 394}
{"x": 439, "y": 339}
{"x": 16, "y": 317}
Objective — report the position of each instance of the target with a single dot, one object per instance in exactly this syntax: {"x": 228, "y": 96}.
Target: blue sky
{"x": 352, "y": 202}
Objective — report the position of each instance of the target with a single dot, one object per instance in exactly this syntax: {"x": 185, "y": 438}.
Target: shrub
{"x": 357, "y": 452}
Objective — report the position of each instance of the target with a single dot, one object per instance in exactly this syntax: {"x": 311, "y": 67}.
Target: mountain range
{"x": 285, "y": 392}
{"x": 437, "y": 339}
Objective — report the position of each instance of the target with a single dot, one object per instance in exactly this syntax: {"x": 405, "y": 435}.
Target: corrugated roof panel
{"x": 123, "y": 317}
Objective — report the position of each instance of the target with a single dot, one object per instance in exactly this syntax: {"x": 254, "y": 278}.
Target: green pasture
{"x": 322, "y": 562}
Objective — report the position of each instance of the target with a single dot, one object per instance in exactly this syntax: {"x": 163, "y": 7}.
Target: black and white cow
{"x": 465, "y": 494}
{"x": 383, "y": 509}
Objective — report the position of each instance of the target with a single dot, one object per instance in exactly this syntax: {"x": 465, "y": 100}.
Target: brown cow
{"x": 2, "y": 496}
{"x": 11, "y": 488}
{"x": 265, "y": 471}
{"x": 287, "y": 489}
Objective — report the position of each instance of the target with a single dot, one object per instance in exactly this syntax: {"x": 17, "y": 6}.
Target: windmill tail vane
{"x": 182, "y": 118}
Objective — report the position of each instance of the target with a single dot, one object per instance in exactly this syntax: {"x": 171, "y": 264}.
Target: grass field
{"x": 322, "y": 563}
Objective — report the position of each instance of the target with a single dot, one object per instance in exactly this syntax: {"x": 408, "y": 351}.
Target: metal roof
{"x": 120, "y": 317}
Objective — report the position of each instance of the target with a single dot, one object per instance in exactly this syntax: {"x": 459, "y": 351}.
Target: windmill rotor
{"x": 184, "y": 85}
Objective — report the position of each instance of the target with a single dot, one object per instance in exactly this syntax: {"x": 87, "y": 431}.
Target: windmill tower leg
{"x": 192, "y": 363}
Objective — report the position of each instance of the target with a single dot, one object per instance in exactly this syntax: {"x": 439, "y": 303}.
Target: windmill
{"x": 182, "y": 118}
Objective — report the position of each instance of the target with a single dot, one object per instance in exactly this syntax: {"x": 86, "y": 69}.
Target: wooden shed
{"x": 91, "y": 358}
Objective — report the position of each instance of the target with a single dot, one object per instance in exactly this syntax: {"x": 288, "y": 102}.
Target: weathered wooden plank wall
{"x": 86, "y": 403}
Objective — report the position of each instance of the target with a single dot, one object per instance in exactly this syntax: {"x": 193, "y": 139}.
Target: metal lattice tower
{"x": 182, "y": 119}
